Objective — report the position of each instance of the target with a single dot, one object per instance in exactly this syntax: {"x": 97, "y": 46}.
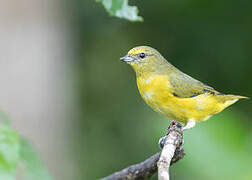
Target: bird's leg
{"x": 190, "y": 124}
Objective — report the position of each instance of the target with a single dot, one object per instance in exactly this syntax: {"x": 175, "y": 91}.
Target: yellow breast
{"x": 156, "y": 90}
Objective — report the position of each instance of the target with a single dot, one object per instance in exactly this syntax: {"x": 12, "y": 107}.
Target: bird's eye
{"x": 142, "y": 55}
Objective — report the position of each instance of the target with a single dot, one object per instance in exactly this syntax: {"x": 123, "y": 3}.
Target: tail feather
{"x": 231, "y": 99}
{"x": 240, "y": 97}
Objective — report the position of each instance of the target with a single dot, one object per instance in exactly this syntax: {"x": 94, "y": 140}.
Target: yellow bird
{"x": 173, "y": 93}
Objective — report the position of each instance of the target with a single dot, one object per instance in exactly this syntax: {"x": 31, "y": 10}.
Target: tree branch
{"x": 172, "y": 141}
{"x": 148, "y": 167}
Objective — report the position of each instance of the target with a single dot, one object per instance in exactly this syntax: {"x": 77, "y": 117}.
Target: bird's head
{"x": 144, "y": 59}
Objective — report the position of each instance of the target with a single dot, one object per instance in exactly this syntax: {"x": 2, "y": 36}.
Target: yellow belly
{"x": 157, "y": 93}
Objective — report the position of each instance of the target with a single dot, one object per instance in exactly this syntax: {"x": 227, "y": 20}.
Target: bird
{"x": 172, "y": 93}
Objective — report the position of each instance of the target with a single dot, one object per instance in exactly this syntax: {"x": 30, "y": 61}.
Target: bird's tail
{"x": 239, "y": 97}
{"x": 230, "y": 99}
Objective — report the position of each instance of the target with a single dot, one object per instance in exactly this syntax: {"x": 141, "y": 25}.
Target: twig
{"x": 172, "y": 142}
{"x": 142, "y": 170}
{"x": 148, "y": 167}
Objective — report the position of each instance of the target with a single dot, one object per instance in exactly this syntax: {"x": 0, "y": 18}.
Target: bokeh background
{"x": 65, "y": 89}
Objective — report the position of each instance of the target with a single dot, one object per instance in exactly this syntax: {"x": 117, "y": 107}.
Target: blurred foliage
{"x": 31, "y": 163}
{"x": 209, "y": 40}
{"x": 9, "y": 152}
{"x": 15, "y": 151}
{"x": 121, "y": 9}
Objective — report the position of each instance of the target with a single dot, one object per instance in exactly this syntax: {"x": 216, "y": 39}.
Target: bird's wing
{"x": 185, "y": 86}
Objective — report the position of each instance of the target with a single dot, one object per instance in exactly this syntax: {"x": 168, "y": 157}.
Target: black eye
{"x": 142, "y": 55}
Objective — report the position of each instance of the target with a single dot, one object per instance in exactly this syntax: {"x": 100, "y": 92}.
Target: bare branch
{"x": 148, "y": 167}
{"x": 142, "y": 170}
{"x": 172, "y": 142}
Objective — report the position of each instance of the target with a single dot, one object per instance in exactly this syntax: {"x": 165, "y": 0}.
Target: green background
{"x": 209, "y": 40}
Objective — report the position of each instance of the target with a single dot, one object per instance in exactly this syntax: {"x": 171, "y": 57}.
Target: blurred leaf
{"x": 121, "y": 9}
{"x": 33, "y": 166}
{"x": 4, "y": 118}
{"x": 9, "y": 152}
{"x": 14, "y": 150}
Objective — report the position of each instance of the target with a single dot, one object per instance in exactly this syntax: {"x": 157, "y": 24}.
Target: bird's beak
{"x": 127, "y": 58}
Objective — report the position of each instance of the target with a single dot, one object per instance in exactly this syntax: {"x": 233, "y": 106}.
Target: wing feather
{"x": 185, "y": 86}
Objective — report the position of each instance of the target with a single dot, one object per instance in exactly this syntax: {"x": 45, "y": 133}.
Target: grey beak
{"x": 127, "y": 58}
